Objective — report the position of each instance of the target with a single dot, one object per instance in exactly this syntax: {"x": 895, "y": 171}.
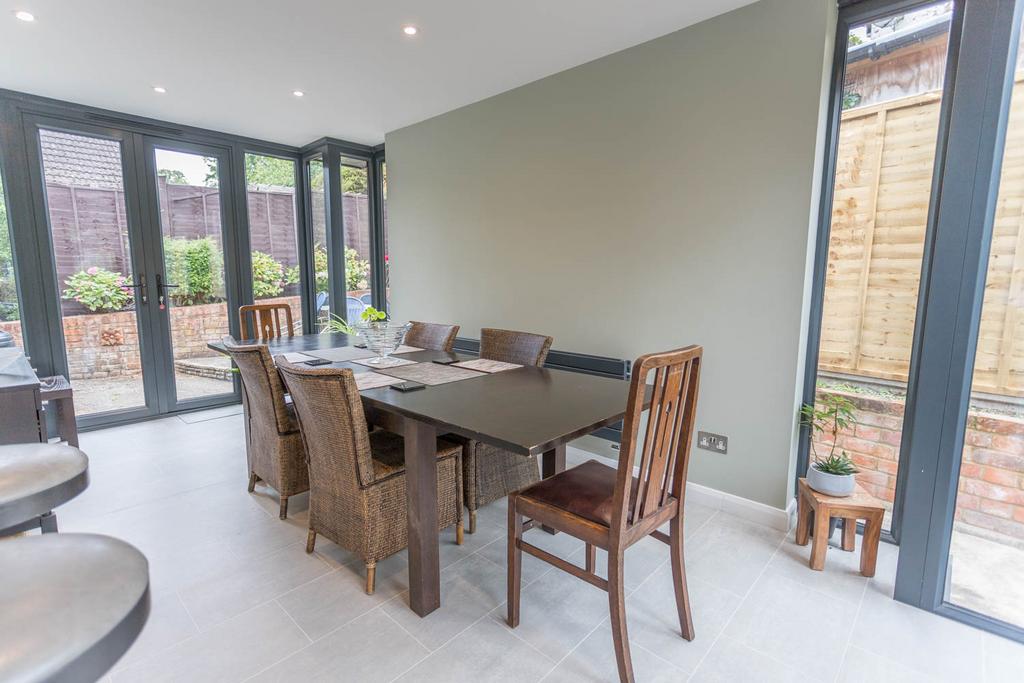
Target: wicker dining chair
{"x": 432, "y": 336}
{"x": 267, "y": 321}
{"x": 357, "y": 477}
{"x": 490, "y": 473}
{"x": 609, "y": 508}
{"x": 273, "y": 445}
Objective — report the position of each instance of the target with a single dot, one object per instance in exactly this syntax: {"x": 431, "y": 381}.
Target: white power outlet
{"x": 716, "y": 443}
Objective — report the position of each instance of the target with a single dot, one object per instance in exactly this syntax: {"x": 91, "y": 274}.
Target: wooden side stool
{"x": 860, "y": 505}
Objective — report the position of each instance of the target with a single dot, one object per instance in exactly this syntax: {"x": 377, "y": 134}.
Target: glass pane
{"x": 355, "y": 203}
{"x": 892, "y": 91}
{"x": 190, "y": 224}
{"x": 384, "y": 216}
{"x": 986, "y": 563}
{"x": 92, "y": 253}
{"x": 270, "y": 195}
{"x": 10, "y": 312}
{"x": 318, "y": 214}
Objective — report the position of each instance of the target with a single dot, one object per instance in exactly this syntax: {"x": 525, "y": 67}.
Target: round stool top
{"x": 37, "y": 477}
{"x": 72, "y": 605}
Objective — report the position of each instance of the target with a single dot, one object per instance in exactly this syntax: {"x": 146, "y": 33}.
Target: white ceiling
{"x": 231, "y": 65}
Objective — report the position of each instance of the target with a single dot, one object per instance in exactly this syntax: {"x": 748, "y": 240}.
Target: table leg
{"x": 421, "y": 497}
{"x": 48, "y": 523}
{"x": 551, "y": 463}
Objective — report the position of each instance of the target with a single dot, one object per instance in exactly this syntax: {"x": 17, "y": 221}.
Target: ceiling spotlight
{"x": 298, "y": 93}
{"x": 22, "y": 15}
{"x": 159, "y": 89}
{"x": 410, "y": 30}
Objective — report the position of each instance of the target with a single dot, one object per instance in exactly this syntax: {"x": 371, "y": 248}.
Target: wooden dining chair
{"x": 432, "y": 336}
{"x": 490, "y": 473}
{"x": 609, "y": 508}
{"x": 267, "y": 320}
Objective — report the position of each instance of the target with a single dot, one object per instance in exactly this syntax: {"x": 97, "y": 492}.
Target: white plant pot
{"x": 839, "y": 485}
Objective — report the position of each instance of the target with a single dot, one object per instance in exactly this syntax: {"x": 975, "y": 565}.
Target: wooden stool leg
{"x": 67, "y": 428}
{"x": 820, "y": 545}
{"x": 849, "y": 534}
{"x": 803, "y": 519}
{"x": 869, "y": 545}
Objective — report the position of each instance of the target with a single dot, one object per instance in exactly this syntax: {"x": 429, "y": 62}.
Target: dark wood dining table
{"x": 528, "y": 410}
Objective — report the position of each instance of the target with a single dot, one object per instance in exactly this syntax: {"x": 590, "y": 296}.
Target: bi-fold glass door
{"x": 139, "y": 231}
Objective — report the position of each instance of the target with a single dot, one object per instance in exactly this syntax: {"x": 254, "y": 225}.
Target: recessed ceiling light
{"x": 159, "y": 89}
{"x": 24, "y": 16}
{"x": 410, "y": 30}
{"x": 298, "y": 93}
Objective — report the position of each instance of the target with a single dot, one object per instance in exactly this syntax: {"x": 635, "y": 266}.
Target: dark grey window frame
{"x": 29, "y": 222}
{"x": 983, "y": 43}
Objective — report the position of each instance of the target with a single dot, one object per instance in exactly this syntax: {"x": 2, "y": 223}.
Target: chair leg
{"x": 515, "y": 561}
{"x": 679, "y": 579}
{"x": 591, "y": 559}
{"x": 617, "y": 605}
{"x": 252, "y": 482}
{"x": 472, "y": 521}
{"x": 284, "y": 507}
{"x": 310, "y": 541}
{"x": 459, "y": 531}
{"x": 48, "y": 523}
{"x": 371, "y": 577}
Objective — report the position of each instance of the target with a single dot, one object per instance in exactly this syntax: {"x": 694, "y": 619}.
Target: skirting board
{"x": 752, "y": 510}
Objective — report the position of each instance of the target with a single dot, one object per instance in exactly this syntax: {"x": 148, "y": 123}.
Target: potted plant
{"x": 833, "y": 474}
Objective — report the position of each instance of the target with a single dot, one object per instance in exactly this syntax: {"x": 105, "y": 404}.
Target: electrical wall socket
{"x": 716, "y": 443}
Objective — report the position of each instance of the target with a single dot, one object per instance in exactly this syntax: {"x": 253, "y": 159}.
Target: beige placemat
{"x": 372, "y": 380}
{"x": 431, "y": 373}
{"x": 296, "y": 357}
{"x": 484, "y": 365}
{"x": 407, "y": 349}
{"x": 342, "y": 353}
{"x": 389, "y": 362}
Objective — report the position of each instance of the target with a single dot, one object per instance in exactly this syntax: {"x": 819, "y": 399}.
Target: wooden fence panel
{"x": 880, "y": 209}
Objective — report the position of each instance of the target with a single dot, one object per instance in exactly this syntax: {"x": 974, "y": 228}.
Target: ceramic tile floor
{"x": 236, "y": 598}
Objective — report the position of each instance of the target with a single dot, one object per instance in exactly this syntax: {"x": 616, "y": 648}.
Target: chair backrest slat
{"x": 664, "y": 449}
{"x": 266, "y": 319}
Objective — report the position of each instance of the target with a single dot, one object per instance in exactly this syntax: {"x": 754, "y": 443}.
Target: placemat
{"x": 342, "y": 353}
{"x": 296, "y": 357}
{"x": 431, "y": 373}
{"x": 485, "y": 365}
{"x": 407, "y": 349}
{"x": 372, "y": 380}
{"x": 389, "y": 362}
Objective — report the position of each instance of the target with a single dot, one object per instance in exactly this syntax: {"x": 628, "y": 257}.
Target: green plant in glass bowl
{"x": 99, "y": 290}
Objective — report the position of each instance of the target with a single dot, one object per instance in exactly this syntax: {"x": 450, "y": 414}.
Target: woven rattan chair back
{"x": 432, "y": 336}
{"x": 264, "y": 392}
{"x": 509, "y": 346}
{"x": 266, "y": 319}
{"x": 333, "y": 426}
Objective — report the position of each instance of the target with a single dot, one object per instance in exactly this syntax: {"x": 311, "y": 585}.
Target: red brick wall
{"x": 107, "y": 345}
{"x": 991, "y": 488}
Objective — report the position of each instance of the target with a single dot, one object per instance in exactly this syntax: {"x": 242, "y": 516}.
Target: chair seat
{"x": 388, "y": 451}
{"x": 585, "y": 491}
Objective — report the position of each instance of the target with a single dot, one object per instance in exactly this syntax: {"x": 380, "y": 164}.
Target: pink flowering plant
{"x": 99, "y": 290}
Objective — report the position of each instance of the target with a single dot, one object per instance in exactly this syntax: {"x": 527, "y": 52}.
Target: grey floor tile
{"x": 942, "y": 648}
{"x": 730, "y": 552}
{"x": 486, "y": 651}
{"x": 371, "y": 648}
{"x": 785, "y": 620}
{"x": 730, "y": 661}
{"x": 1004, "y": 660}
{"x": 643, "y": 558}
{"x": 245, "y": 585}
{"x": 653, "y": 622}
{"x": 841, "y": 577}
{"x": 861, "y": 666}
{"x": 168, "y": 624}
{"x": 469, "y": 590}
{"x": 335, "y": 599}
{"x": 533, "y": 568}
{"x": 593, "y": 660}
{"x": 232, "y": 651}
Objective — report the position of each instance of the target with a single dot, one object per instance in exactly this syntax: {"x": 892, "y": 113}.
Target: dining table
{"x": 526, "y": 410}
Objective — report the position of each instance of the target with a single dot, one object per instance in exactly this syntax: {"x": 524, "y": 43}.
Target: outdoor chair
{"x": 357, "y": 477}
{"x": 609, "y": 508}
{"x": 273, "y": 444}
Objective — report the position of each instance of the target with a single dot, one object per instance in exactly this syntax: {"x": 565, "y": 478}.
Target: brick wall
{"x": 991, "y": 488}
{"x": 106, "y": 344}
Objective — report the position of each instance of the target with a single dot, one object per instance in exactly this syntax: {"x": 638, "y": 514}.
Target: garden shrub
{"x": 99, "y": 289}
{"x": 196, "y": 266}
{"x": 268, "y": 276}
{"x": 356, "y": 270}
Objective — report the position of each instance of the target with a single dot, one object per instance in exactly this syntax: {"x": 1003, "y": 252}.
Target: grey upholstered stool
{"x": 34, "y": 479}
{"x": 72, "y": 605}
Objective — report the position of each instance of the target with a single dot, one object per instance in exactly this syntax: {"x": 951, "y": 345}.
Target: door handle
{"x": 161, "y": 291}
{"x": 140, "y": 287}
